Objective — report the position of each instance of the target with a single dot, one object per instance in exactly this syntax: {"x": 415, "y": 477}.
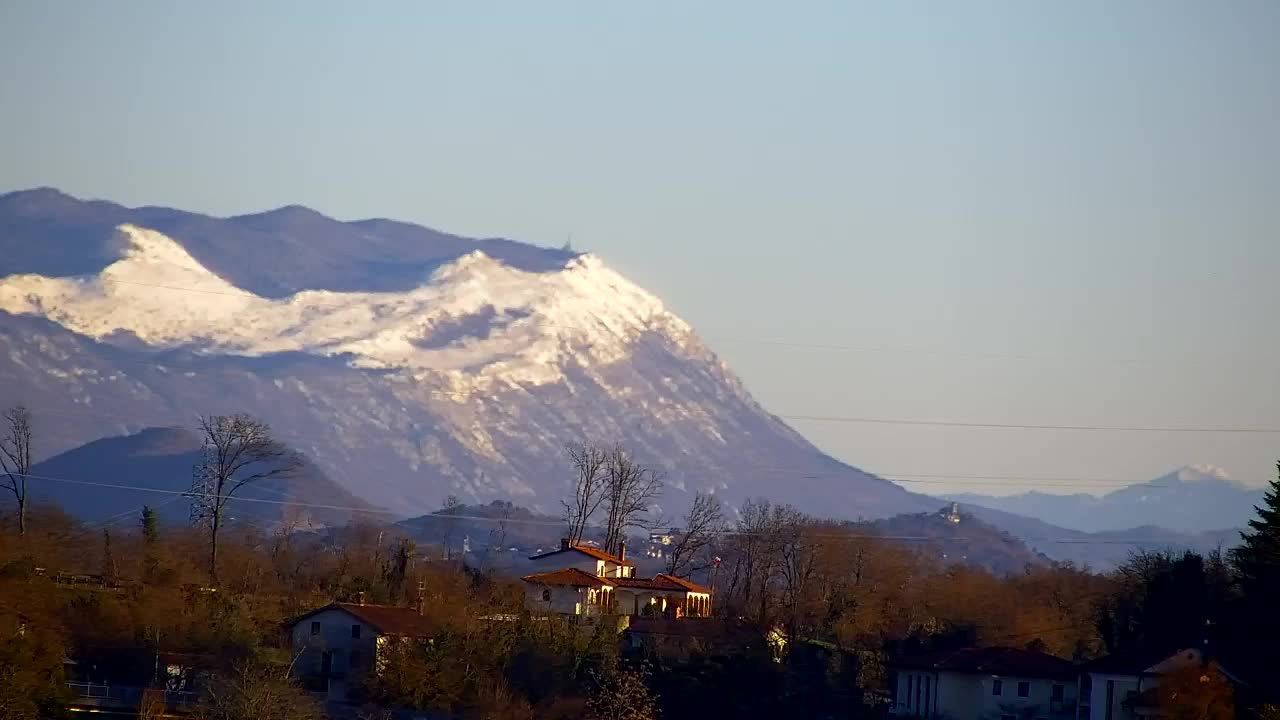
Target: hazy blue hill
{"x": 161, "y": 460}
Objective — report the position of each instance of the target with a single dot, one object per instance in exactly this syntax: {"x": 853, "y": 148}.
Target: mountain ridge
{"x": 407, "y": 369}
{"x": 1192, "y": 499}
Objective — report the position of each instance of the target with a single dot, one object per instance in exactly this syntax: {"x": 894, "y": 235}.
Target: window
{"x": 354, "y": 660}
{"x": 1024, "y": 689}
{"x": 355, "y": 632}
{"x": 1008, "y": 717}
{"x": 908, "y": 701}
{"x": 326, "y": 662}
{"x": 918, "y": 684}
{"x": 926, "y": 696}
{"x": 315, "y": 628}
{"x": 546, "y": 596}
{"x": 997, "y": 687}
{"x": 1056, "y": 694}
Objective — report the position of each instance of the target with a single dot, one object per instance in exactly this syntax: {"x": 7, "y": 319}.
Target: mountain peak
{"x": 1200, "y": 473}
{"x": 40, "y": 200}
{"x": 283, "y": 217}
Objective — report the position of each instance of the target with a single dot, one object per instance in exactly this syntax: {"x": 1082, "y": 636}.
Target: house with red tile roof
{"x": 588, "y": 581}
{"x": 338, "y": 643}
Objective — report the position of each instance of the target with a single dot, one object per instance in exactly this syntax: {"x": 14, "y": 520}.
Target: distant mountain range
{"x": 1192, "y": 499}
{"x": 408, "y": 364}
{"x": 109, "y": 480}
{"x": 1104, "y": 549}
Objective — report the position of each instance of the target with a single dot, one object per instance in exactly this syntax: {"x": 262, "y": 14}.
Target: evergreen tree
{"x": 150, "y": 525}
{"x": 1257, "y": 560}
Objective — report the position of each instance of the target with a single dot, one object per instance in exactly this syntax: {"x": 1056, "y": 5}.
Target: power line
{"x": 939, "y": 423}
{"x": 897, "y": 477}
{"x": 963, "y": 480}
{"x": 815, "y": 418}
{"x": 1027, "y": 426}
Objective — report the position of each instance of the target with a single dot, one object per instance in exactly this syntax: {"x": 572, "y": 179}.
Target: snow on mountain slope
{"x": 409, "y": 364}
{"x": 526, "y": 325}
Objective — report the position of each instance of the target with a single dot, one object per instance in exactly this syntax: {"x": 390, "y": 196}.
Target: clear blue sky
{"x": 1092, "y": 187}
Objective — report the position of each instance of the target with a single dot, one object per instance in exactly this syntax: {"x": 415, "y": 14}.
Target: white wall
{"x": 1121, "y": 685}
{"x": 565, "y": 600}
{"x": 964, "y": 696}
{"x": 1036, "y": 705}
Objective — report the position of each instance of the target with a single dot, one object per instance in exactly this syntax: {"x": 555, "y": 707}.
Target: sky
{"x": 1006, "y": 212}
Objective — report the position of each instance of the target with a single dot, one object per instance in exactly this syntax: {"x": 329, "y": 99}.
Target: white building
{"x": 1120, "y": 686}
{"x": 588, "y": 581}
{"x": 336, "y": 644}
{"x": 985, "y": 684}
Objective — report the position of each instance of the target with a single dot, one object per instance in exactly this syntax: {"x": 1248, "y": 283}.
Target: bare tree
{"x": 240, "y": 450}
{"x": 252, "y": 692}
{"x": 756, "y": 556}
{"x": 702, "y": 526}
{"x": 630, "y": 489}
{"x": 15, "y": 458}
{"x": 589, "y": 463}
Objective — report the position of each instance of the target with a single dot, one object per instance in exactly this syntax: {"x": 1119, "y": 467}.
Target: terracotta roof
{"x": 384, "y": 619}
{"x": 569, "y": 577}
{"x": 686, "y": 584}
{"x": 994, "y": 661}
{"x": 573, "y": 577}
{"x": 662, "y": 582}
{"x": 589, "y": 552}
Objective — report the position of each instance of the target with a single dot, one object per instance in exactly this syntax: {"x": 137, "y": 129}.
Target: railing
{"x": 127, "y": 695}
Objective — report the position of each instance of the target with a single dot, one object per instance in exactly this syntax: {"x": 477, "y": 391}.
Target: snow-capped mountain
{"x": 1195, "y": 498}
{"x": 409, "y": 364}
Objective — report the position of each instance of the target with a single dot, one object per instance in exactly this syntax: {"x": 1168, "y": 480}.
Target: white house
{"x": 1119, "y": 686}
{"x": 588, "y": 581}
{"x": 994, "y": 683}
{"x": 336, "y": 644}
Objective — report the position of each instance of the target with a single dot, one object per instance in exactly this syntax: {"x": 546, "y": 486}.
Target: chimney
{"x": 622, "y": 550}
{"x": 564, "y": 543}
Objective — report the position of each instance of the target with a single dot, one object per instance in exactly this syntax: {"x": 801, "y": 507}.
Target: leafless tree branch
{"x": 15, "y": 457}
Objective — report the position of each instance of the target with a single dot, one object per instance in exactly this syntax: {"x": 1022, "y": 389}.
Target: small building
{"x": 336, "y": 644}
{"x": 1121, "y": 686}
{"x": 996, "y": 683}
{"x": 660, "y": 542}
{"x": 587, "y": 581}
